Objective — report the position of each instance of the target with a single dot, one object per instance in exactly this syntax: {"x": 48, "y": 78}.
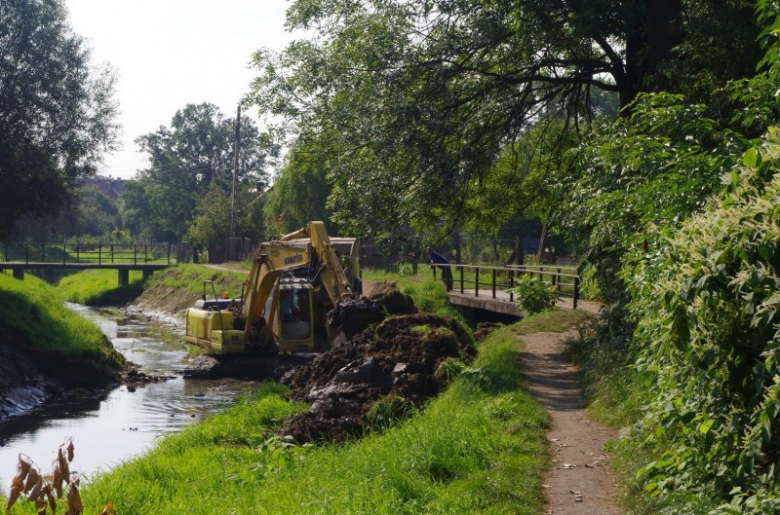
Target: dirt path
{"x": 580, "y": 481}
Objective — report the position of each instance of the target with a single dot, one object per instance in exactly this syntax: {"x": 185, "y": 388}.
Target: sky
{"x": 169, "y": 53}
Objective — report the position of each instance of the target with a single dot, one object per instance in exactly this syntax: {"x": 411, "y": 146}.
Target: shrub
{"x": 707, "y": 303}
{"x": 535, "y": 296}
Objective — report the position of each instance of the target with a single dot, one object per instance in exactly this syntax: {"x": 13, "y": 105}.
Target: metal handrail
{"x": 512, "y": 272}
{"x": 86, "y": 253}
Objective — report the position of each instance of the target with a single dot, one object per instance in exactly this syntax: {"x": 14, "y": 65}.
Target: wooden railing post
{"x": 461, "y": 278}
{"x": 476, "y": 283}
{"x": 576, "y": 291}
{"x": 100, "y": 253}
{"x": 559, "y": 281}
{"x": 27, "y": 253}
{"x": 494, "y": 283}
{"x": 146, "y": 259}
{"x": 43, "y": 252}
{"x": 169, "y": 254}
{"x": 135, "y": 254}
{"x": 112, "y": 253}
{"x": 78, "y": 253}
{"x": 64, "y": 253}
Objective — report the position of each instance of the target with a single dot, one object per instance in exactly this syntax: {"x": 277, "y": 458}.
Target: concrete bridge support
{"x": 124, "y": 276}
{"x": 19, "y": 273}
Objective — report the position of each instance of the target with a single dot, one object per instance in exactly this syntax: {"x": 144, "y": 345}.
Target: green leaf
{"x": 751, "y": 158}
{"x": 705, "y": 426}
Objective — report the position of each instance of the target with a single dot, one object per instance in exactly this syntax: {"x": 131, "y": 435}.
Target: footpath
{"x": 580, "y": 481}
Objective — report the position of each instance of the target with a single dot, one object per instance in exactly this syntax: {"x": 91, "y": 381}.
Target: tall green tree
{"x": 415, "y": 102}
{"x": 188, "y": 158}
{"x": 56, "y": 112}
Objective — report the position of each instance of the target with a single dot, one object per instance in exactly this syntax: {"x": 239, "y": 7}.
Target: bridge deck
{"x": 82, "y": 266}
{"x": 502, "y": 304}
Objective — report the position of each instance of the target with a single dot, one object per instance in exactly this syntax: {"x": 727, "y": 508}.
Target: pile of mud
{"x": 397, "y": 361}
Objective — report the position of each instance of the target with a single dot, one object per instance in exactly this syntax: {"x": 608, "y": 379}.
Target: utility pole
{"x": 235, "y": 174}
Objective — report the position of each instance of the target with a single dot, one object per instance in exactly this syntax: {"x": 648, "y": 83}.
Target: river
{"x": 120, "y": 424}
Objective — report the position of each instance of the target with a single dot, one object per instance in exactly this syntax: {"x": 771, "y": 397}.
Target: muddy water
{"x": 119, "y": 424}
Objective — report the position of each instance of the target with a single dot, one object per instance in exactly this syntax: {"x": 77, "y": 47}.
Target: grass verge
{"x": 478, "y": 448}
{"x": 429, "y": 295}
{"x": 33, "y": 314}
{"x": 190, "y": 277}
{"x": 100, "y": 288}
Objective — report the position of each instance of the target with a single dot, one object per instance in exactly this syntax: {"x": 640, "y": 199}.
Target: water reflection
{"x": 119, "y": 424}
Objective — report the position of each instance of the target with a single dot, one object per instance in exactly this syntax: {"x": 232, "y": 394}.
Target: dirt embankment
{"x": 29, "y": 377}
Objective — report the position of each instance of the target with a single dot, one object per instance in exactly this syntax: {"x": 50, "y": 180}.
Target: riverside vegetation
{"x": 479, "y": 447}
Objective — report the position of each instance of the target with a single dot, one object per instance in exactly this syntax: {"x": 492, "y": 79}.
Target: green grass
{"x": 478, "y": 448}
{"x": 100, "y": 288}
{"x": 429, "y": 295}
{"x": 191, "y": 277}
{"x": 557, "y": 321}
{"x": 33, "y": 314}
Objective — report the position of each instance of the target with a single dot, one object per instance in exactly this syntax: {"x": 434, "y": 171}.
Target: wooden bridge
{"x": 19, "y": 257}
{"x": 488, "y": 288}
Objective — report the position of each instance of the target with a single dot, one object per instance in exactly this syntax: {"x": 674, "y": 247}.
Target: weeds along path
{"x": 580, "y": 481}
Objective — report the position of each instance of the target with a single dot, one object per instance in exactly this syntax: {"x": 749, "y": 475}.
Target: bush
{"x": 707, "y": 305}
{"x": 535, "y": 296}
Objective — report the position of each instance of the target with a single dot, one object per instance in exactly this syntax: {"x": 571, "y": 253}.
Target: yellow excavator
{"x": 292, "y": 285}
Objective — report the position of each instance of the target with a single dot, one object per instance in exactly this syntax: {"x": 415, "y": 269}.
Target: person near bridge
{"x": 446, "y": 273}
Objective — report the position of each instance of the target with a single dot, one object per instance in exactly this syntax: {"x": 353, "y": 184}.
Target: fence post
{"x": 43, "y": 252}
{"x": 494, "y": 283}
{"x": 461, "y": 278}
{"x": 576, "y": 291}
{"x": 146, "y": 259}
{"x": 63, "y": 252}
{"x": 112, "y": 253}
{"x": 511, "y": 285}
{"x": 27, "y": 253}
{"x": 135, "y": 254}
{"x": 100, "y": 253}
{"x": 476, "y": 284}
{"x": 78, "y": 251}
{"x": 559, "y": 281}
{"x": 169, "y": 254}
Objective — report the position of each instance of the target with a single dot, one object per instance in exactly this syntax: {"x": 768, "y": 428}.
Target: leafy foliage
{"x": 56, "y": 113}
{"x": 186, "y": 161}
{"x": 707, "y": 308}
{"x": 535, "y": 296}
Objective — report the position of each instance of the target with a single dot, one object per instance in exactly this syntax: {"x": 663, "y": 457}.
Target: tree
{"x": 188, "y": 158}
{"x": 414, "y": 103}
{"x": 299, "y": 194}
{"x": 56, "y": 114}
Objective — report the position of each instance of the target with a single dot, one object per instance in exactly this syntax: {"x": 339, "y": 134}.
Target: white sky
{"x": 170, "y": 53}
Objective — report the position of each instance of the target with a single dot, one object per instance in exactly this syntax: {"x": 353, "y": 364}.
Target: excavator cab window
{"x": 295, "y": 313}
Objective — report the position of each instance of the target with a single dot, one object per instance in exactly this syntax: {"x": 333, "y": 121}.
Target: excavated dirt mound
{"x": 355, "y": 316}
{"x": 396, "y": 360}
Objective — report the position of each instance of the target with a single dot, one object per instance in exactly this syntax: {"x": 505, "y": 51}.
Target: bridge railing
{"x": 492, "y": 281}
{"x": 87, "y": 253}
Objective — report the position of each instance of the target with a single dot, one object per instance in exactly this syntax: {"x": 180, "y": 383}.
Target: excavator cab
{"x": 294, "y": 322}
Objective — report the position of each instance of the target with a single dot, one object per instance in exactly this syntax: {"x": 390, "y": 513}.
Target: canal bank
{"x": 46, "y": 349}
{"x": 114, "y": 424}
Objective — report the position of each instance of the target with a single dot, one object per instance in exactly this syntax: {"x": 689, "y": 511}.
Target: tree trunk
{"x": 650, "y": 42}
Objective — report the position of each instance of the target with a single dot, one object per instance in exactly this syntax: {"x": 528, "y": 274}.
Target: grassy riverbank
{"x": 478, "y": 448}
{"x": 34, "y": 314}
{"x": 429, "y": 294}
{"x": 100, "y": 288}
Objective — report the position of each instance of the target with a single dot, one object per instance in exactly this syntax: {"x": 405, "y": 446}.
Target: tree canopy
{"x": 189, "y": 159}
{"x": 413, "y": 103}
{"x": 56, "y": 112}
